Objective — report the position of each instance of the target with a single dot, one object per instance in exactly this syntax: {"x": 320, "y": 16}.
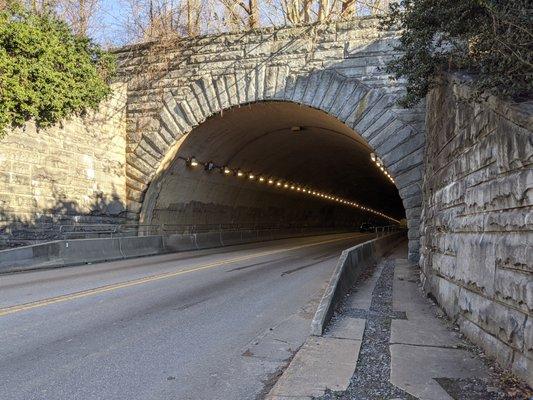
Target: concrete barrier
{"x": 62, "y": 253}
{"x": 351, "y": 263}
{"x": 174, "y": 243}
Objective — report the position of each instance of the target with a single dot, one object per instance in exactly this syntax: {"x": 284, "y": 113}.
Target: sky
{"x": 107, "y": 27}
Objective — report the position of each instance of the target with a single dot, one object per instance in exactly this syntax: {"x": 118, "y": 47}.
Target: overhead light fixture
{"x": 296, "y": 128}
{"x": 209, "y": 166}
{"x": 373, "y": 157}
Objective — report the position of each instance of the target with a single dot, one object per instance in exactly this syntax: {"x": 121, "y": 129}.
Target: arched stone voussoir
{"x": 369, "y": 111}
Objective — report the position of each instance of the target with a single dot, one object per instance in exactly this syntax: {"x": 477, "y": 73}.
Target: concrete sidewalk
{"x": 388, "y": 341}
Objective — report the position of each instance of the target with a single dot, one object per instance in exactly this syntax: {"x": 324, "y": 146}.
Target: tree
{"x": 490, "y": 39}
{"x": 241, "y": 13}
{"x": 47, "y": 72}
{"x": 77, "y": 13}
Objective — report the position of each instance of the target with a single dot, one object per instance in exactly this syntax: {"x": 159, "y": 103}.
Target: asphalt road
{"x": 211, "y": 324}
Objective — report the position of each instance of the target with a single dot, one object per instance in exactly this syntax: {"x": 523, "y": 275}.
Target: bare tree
{"x": 79, "y": 14}
{"x": 241, "y": 13}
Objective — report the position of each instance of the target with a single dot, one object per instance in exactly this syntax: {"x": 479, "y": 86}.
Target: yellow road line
{"x": 152, "y": 278}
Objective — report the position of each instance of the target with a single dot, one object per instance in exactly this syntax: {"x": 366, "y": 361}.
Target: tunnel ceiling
{"x": 324, "y": 154}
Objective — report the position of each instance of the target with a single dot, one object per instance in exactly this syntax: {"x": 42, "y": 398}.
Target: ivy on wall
{"x": 46, "y": 72}
{"x": 492, "y": 40}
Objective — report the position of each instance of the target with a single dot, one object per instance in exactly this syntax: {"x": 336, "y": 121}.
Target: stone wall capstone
{"x": 476, "y": 230}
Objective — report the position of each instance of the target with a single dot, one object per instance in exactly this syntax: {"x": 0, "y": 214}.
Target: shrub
{"x": 46, "y": 72}
{"x": 490, "y": 39}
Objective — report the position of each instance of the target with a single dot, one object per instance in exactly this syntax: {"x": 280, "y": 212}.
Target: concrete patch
{"x": 281, "y": 341}
{"x": 347, "y": 328}
{"x": 414, "y": 369}
{"x": 321, "y": 363}
{"x": 423, "y": 332}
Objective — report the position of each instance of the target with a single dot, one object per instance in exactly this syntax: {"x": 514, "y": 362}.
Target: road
{"x": 210, "y": 324}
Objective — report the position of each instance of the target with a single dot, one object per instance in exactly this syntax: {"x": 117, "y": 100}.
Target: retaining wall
{"x": 74, "y": 171}
{"x": 476, "y": 243}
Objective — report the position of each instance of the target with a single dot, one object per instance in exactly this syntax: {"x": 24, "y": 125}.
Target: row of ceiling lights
{"x": 281, "y": 183}
{"x": 376, "y": 160}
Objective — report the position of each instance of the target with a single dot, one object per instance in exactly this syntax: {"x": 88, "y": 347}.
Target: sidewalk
{"x": 388, "y": 342}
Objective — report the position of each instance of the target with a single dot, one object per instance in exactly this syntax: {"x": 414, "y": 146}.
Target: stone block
{"x": 515, "y": 288}
{"x": 505, "y": 323}
{"x": 493, "y": 347}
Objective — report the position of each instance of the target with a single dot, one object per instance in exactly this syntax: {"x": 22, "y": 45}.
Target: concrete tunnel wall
{"x": 323, "y": 154}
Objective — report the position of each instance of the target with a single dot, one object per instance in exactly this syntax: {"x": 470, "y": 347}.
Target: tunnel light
{"x": 209, "y": 166}
{"x": 192, "y": 162}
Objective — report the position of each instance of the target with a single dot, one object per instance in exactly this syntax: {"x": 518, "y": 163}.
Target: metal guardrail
{"x": 19, "y": 234}
{"x": 385, "y": 230}
{"x": 51, "y": 231}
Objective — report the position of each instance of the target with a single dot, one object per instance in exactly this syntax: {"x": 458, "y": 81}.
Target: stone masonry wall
{"x": 338, "y": 67}
{"x": 72, "y": 172}
{"x": 477, "y": 220}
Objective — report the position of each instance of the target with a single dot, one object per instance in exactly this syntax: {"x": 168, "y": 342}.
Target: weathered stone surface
{"x": 336, "y": 68}
{"x": 476, "y": 220}
{"x": 72, "y": 172}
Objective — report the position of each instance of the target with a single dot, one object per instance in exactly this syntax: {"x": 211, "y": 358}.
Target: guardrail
{"x": 49, "y": 231}
{"x": 385, "y": 230}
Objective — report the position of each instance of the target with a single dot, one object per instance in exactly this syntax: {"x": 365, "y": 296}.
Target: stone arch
{"x": 368, "y": 111}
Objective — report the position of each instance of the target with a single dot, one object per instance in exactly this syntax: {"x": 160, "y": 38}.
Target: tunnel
{"x": 272, "y": 163}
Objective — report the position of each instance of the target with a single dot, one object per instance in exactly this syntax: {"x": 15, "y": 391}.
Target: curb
{"x": 350, "y": 265}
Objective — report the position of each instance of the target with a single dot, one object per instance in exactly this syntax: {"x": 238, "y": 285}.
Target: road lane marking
{"x": 152, "y": 278}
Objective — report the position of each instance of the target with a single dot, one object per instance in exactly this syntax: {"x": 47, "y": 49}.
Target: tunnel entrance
{"x": 272, "y": 163}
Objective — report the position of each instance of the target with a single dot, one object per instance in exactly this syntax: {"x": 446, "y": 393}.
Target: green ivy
{"x": 46, "y": 72}
{"x": 491, "y": 40}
